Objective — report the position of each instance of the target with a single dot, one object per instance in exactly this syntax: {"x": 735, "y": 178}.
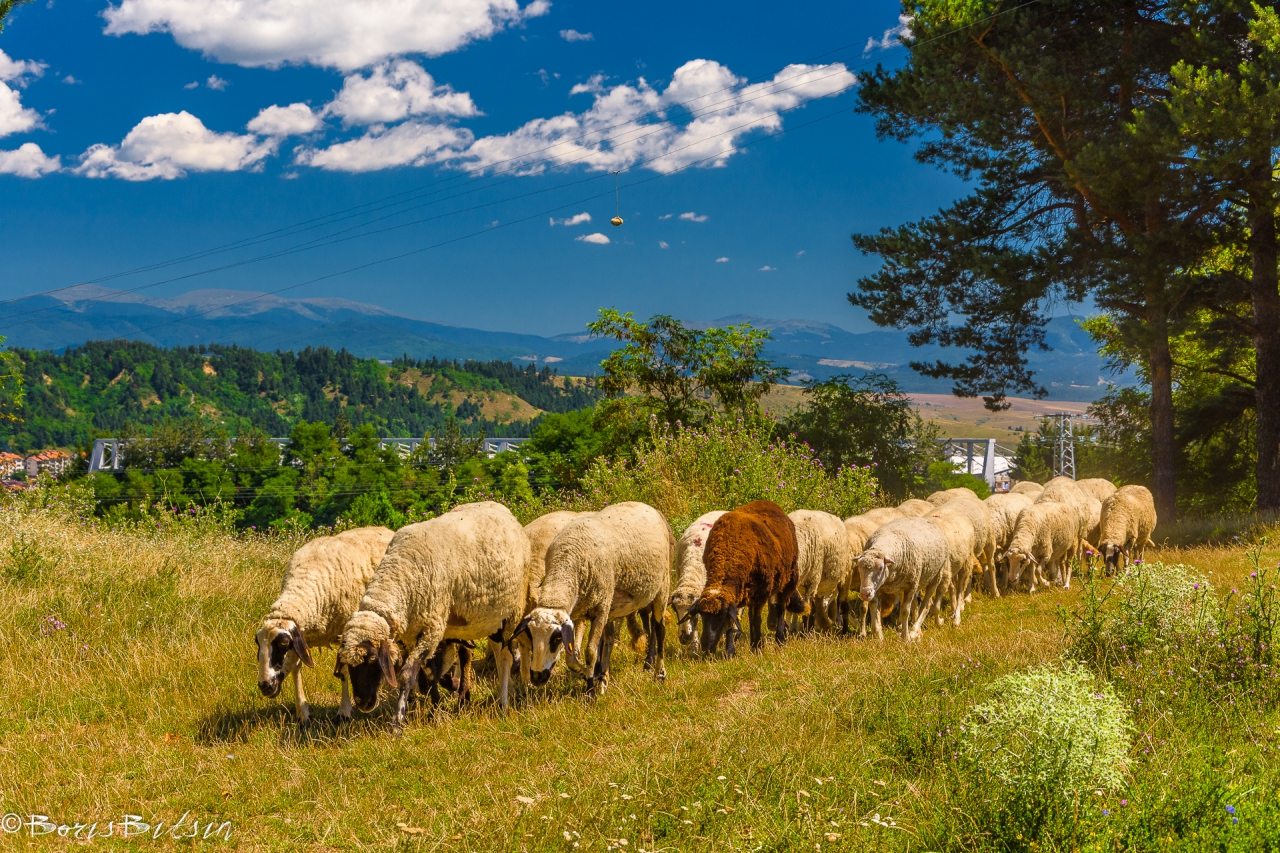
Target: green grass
{"x": 145, "y": 703}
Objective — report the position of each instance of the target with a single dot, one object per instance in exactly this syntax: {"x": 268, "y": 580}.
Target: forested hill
{"x": 98, "y": 388}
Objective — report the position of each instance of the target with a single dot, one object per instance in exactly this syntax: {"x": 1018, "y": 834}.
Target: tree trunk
{"x": 1164, "y": 452}
{"x": 1265, "y": 292}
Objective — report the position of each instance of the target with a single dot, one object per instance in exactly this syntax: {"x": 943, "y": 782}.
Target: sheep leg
{"x": 344, "y": 710}
{"x": 428, "y": 642}
{"x": 591, "y": 650}
{"x": 300, "y": 696}
{"x": 657, "y": 641}
{"x": 754, "y": 614}
{"x": 505, "y": 661}
{"x": 904, "y": 614}
{"x": 466, "y": 675}
{"x": 605, "y": 662}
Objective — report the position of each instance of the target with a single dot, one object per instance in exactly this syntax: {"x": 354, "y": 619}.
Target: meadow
{"x": 127, "y": 667}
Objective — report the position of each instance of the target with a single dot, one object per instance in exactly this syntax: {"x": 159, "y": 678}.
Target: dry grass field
{"x": 127, "y": 667}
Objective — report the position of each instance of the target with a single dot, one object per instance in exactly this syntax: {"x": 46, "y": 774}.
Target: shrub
{"x": 685, "y": 472}
{"x": 1052, "y": 727}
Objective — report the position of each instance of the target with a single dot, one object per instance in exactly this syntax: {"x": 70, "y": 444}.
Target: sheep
{"x": 1004, "y": 509}
{"x": 915, "y": 508}
{"x": 1065, "y": 490}
{"x": 601, "y": 567}
{"x": 461, "y": 576}
{"x": 859, "y": 529}
{"x": 947, "y": 495}
{"x": 1094, "y": 528}
{"x": 824, "y": 562}
{"x": 322, "y": 586}
{"x": 1097, "y": 487}
{"x": 1045, "y": 536}
{"x": 905, "y": 557}
{"x": 691, "y": 575}
{"x": 1128, "y": 519}
{"x": 956, "y": 523}
{"x": 984, "y": 540}
{"x": 885, "y": 514}
{"x": 751, "y": 559}
{"x": 1028, "y": 488}
{"x": 541, "y": 531}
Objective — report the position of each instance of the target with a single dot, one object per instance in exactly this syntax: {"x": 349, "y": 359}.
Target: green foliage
{"x": 731, "y": 461}
{"x": 12, "y": 394}
{"x": 940, "y": 476}
{"x": 681, "y": 373}
{"x": 24, "y": 562}
{"x": 7, "y": 6}
{"x": 867, "y": 421}
{"x": 1055, "y": 728}
{"x": 102, "y": 388}
{"x": 563, "y": 446}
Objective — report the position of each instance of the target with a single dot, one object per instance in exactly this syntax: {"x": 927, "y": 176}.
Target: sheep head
{"x": 281, "y": 647}
{"x": 718, "y": 608}
{"x": 1113, "y": 556}
{"x": 683, "y": 602}
{"x": 1018, "y": 560}
{"x": 874, "y": 568}
{"x": 369, "y": 654}
{"x": 543, "y": 634}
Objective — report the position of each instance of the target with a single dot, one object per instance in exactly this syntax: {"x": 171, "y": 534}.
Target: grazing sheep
{"x": 541, "y": 531}
{"x": 824, "y": 562}
{"x": 984, "y": 535}
{"x": 915, "y": 508}
{"x": 947, "y": 495}
{"x": 322, "y": 586}
{"x": 691, "y": 575}
{"x": 1097, "y": 487}
{"x": 1094, "y": 529}
{"x": 885, "y": 514}
{"x": 1045, "y": 536}
{"x": 1064, "y": 490}
{"x": 461, "y": 576}
{"x": 962, "y": 541}
{"x": 859, "y": 528}
{"x": 906, "y": 557}
{"x": 1004, "y": 509}
{"x": 601, "y": 567}
{"x": 751, "y": 559}
{"x": 1028, "y": 488}
{"x": 1127, "y": 521}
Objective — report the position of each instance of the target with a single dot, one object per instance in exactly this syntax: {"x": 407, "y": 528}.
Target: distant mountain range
{"x": 1072, "y": 370}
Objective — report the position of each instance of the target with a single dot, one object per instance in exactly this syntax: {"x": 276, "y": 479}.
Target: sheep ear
{"x": 691, "y": 615}
{"x": 566, "y": 636}
{"x": 522, "y": 628}
{"x": 888, "y": 562}
{"x": 300, "y": 647}
{"x": 384, "y": 663}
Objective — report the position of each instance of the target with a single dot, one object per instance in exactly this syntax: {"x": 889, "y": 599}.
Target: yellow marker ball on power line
{"x": 617, "y": 220}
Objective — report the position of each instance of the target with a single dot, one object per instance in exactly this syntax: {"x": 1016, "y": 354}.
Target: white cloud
{"x": 18, "y": 69}
{"x": 767, "y": 268}
{"x": 194, "y": 84}
{"x": 14, "y": 117}
{"x": 576, "y": 219}
{"x": 693, "y": 217}
{"x": 408, "y": 144}
{"x": 28, "y": 161}
{"x": 393, "y": 91}
{"x": 331, "y": 33}
{"x": 892, "y": 37}
{"x": 635, "y": 117}
{"x": 597, "y": 238}
{"x": 594, "y": 85}
{"x": 722, "y": 260}
{"x": 216, "y": 83}
{"x": 662, "y": 244}
{"x": 293, "y": 120}
{"x": 171, "y": 144}
{"x": 574, "y": 35}
{"x": 666, "y": 216}
{"x": 71, "y": 80}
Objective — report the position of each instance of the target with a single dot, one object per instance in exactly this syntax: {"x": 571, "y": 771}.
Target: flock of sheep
{"x": 408, "y": 607}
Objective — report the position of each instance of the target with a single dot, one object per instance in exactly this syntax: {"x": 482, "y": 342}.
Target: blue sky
{"x": 144, "y": 130}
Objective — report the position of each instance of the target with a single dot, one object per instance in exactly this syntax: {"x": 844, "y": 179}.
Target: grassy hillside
{"x": 127, "y": 664}
{"x": 98, "y": 388}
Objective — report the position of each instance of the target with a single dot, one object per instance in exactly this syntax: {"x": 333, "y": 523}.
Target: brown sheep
{"x": 751, "y": 558}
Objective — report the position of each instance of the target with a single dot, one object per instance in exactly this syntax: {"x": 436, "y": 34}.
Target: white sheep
{"x": 906, "y": 557}
{"x": 915, "y": 508}
{"x": 984, "y": 535}
{"x": 1093, "y": 529}
{"x": 463, "y": 576}
{"x": 956, "y": 523}
{"x": 1045, "y": 537}
{"x": 322, "y": 586}
{"x": 1065, "y": 490}
{"x": 1128, "y": 519}
{"x": 947, "y": 495}
{"x": 541, "y": 531}
{"x": 824, "y": 564}
{"x": 859, "y": 529}
{"x": 885, "y": 514}
{"x": 1028, "y": 488}
{"x": 1004, "y": 509}
{"x": 691, "y": 575}
{"x": 1098, "y": 487}
{"x": 611, "y": 564}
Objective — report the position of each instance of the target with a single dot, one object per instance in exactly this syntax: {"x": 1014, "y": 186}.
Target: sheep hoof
{"x": 344, "y": 719}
